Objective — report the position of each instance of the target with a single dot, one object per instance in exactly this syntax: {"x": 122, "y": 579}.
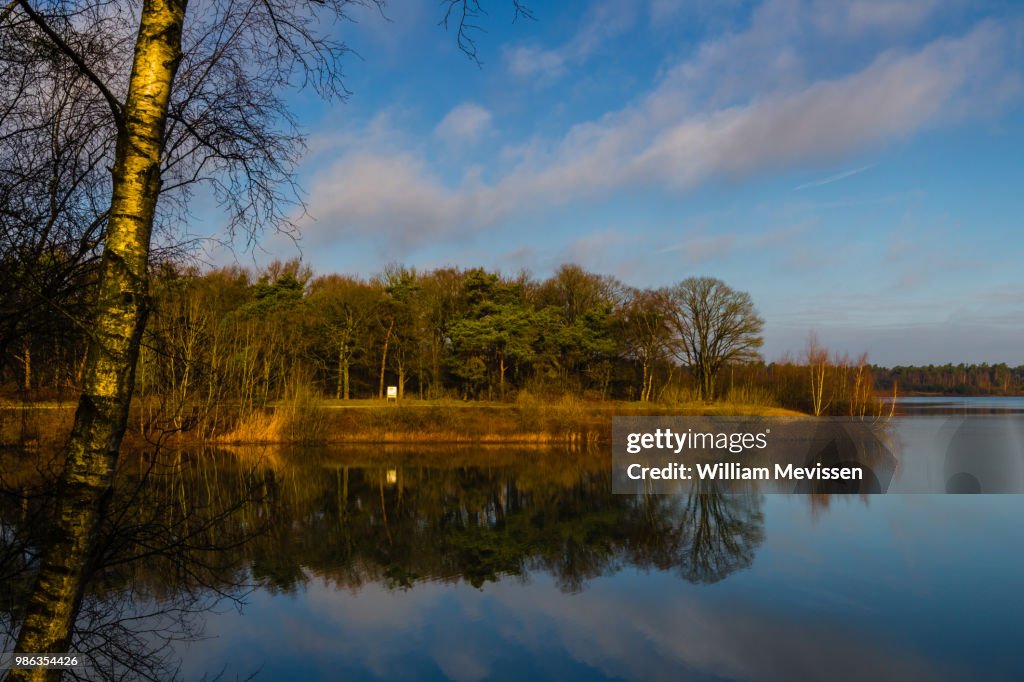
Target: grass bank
{"x": 526, "y": 421}
{"x": 529, "y": 421}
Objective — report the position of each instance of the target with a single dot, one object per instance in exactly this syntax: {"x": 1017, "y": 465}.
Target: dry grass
{"x": 303, "y": 418}
{"x": 298, "y": 418}
{"x": 751, "y": 396}
{"x": 529, "y": 420}
{"x": 526, "y": 421}
{"x": 258, "y": 426}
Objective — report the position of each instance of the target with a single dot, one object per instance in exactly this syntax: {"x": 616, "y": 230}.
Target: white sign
{"x": 392, "y": 392}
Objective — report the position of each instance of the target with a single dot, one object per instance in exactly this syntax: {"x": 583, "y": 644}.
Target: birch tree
{"x": 200, "y": 101}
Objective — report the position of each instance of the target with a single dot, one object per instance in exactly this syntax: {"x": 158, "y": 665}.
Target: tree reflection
{"x": 181, "y": 536}
{"x": 727, "y": 530}
{"x": 703, "y": 536}
{"x": 398, "y": 525}
{"x": 161, "y": 563}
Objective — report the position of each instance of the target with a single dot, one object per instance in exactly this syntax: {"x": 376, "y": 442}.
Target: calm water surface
{"x": 513, "y": 564}
{"x": 956, "y": 404}
{"x": 903, "y": 588}
{"x": 788, "y": 587}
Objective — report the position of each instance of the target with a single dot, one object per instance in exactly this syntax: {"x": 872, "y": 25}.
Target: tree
{"x": 646, "y": 332}
{"x": 497, "y": 328}
{"x": 118, "y": 320}
{"x": 498, "y": 338}
{"x": 439, "y": 302}
{"x": 56, "y": 146}
{"x": 343, "y": 305}
{"x": 396, "y": 318}
{"x": 201, "y": 102}
{"x": 713, "y": 325}
{"x": 581, "y": 305}
{"x": 818, "y": 365}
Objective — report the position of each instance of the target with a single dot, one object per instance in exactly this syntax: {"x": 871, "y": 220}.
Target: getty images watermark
{"x": 818, "y": 455}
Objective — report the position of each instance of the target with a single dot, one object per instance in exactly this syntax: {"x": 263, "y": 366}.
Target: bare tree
{"x": 647, "y": 334}
{"x": 56, "y": 147}
{"x": 714, "y": 325}
{"x": 819, "y": 367}
{"x": 200, "y": 101}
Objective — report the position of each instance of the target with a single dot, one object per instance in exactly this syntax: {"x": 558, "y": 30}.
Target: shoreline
{"x": 329, "y": 422}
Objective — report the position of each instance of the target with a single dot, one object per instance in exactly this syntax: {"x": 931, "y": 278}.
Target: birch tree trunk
{"x": 345, "y": 382}
{"x": 341, "y": 371}
{"x": 119, "y": 317}
{"x": 384, "y": 360}
{"x": 643, "y": 381}
{"x": 26, "y": 359}
{"x": 401, "y": 378}
{"x": 501, "y": 390}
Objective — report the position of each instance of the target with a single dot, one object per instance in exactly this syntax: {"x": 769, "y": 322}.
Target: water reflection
{"x": 187, "y": 530}
{"x": 500, "y": 563}
{"x": 406, "y": 520}
{"x": 161, "y": 562}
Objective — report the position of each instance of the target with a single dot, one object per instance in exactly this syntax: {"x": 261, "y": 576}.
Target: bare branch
{"x": 463, "y": 14}
{"x": 70, "y": 53}
{"x": 8, "y": 8}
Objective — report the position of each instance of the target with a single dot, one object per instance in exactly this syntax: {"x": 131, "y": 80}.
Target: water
{"x": 509, "y": 564}
{"x": 959, "y": 404}
{"x": 905, "y": 588}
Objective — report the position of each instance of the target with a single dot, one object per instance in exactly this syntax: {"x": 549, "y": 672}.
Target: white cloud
{"x": 858, "y": 17}
{"x": 666, "y": 140}
{"x": 601, "y": 24}
{"x": 395, "y": 195}
{"x": 895, "y": 96}
{"x": 527, "y": 61}
{"x": 465, "y": 123}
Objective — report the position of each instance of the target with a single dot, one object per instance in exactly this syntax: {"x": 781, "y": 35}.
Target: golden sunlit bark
{"x": 118, "y": 320}
{"x": 384, "y": 360}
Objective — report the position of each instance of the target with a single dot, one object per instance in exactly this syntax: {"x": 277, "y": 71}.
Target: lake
{"x": 959, "y": 404}
{"x": 510, "y": 563}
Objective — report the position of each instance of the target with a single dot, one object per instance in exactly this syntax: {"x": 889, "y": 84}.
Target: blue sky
{"x": 856, "y": 165}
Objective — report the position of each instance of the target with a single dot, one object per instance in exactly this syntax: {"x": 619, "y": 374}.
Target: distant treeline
{"x": 949, "y": 379}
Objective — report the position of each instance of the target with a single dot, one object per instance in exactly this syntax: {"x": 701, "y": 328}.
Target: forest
{"x": 950, "y": 379}
{"x": 231, "y": 338}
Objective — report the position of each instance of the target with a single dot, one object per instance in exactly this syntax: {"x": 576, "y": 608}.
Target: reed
{"x": 303, "y": 418}
{"x": 298, "y": 418}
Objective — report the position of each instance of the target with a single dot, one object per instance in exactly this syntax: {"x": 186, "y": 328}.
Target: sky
{"x": 857, "y": 166}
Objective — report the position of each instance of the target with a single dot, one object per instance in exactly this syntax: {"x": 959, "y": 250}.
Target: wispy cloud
{"x": 659, "y": 140}
{"x": 702, "y": 248}
{"x": 602, "y": 22}
{"x": 855, "y": 18}
{"x": 833, "y": 178}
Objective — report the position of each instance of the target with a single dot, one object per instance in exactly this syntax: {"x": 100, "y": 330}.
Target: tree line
{"x": 232, "y": 340}
{"x": 950, "y": 379}
{"x": 230, "y": 335}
